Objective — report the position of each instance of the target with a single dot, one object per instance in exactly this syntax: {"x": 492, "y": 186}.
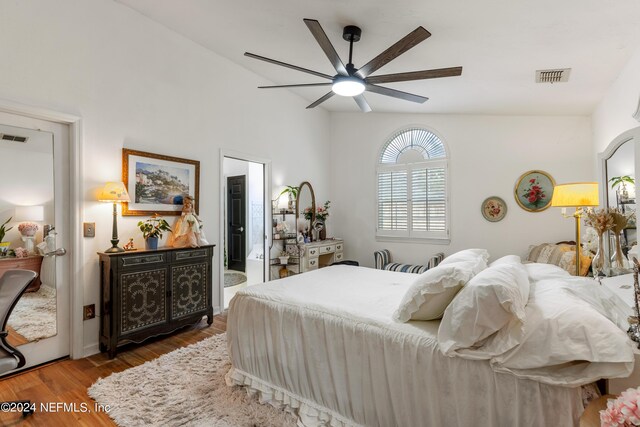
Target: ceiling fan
{"x": 352, "y": 81}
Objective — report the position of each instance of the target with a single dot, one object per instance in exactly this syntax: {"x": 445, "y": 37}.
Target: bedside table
{"x": 623, "y": 287}
{"x": 32, "y": 262}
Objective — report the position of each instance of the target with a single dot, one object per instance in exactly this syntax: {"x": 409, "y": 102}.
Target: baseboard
{"x": 90, "y": 350}
{"x": 216, "y": 310}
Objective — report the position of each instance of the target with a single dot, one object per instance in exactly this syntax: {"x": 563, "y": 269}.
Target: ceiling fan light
{"x": 347, "y": 86}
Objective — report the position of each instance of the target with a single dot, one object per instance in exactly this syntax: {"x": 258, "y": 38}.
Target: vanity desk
{"x": 320, "y": 253}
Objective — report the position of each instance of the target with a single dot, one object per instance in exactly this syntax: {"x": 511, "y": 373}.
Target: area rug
{"x": 34, "y": 316}
{"x": 185, "y": 388}
{"x": 233, "y": 278}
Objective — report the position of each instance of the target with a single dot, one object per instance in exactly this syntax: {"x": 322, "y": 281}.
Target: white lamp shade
{"x": 114, "y": 192}
{"x": 347, "y": 86}
{"x": 29, "y": 213}
{"x": 575, "y": 194}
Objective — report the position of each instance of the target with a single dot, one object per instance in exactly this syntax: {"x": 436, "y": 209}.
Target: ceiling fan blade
{"x": 362, "y": 103}
{"x": 321, "y": 100}
{"x": 284, "y": 64}
{"x": 401, "y": 46}
{"x": 416, "y": 75}
{"x": 396, "y": 93}
{"x": 299, "y": 85}
{"x": 325, "y": 44}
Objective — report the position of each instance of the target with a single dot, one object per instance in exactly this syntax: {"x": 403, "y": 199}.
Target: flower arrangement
{"x": 282, "y": 227}
{"x": 623, "y": 411}
{"x": 322, "y": 212}
{"x": 153, "y": 227}
{"x": 21, "y": 253}
{"x": 28, "y": 228}
{"x": 600, "y": 219}
{"x": 534, "y": 194}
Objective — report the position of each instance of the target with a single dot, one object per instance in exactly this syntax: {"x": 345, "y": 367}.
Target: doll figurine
{"x": 187, "y": 231}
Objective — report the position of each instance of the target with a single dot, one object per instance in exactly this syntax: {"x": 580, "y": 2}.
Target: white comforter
{"x": 324, "y": 343}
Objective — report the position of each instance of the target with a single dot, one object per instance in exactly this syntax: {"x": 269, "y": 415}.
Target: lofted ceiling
{"x": 500, "y": 44}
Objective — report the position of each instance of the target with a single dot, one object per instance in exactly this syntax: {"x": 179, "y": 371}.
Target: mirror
{"x": 27, "y": 207}
{"x": 305, "y": 211}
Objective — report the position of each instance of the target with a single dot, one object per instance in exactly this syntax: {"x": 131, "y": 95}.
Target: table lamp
{"x": 114, "y": 192}
{"x": 27, "y": 214}
{"x": 576, "y": 195}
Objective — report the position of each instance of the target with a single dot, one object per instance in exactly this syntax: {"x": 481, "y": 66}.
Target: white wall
{"x": 138, "y": 85}
{"x": 613, "y": 114}
{"x": 487, "y": 155}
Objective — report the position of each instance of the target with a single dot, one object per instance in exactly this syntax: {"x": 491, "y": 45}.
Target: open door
{"x": 236, "y": 228}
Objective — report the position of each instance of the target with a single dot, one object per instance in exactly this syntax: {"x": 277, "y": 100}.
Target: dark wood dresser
{"x": 148, "y": 293}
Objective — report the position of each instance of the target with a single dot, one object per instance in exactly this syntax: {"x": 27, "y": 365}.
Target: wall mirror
{"x": 619, "y": 164}
{"x": 305, "y": 209}
{"x": 27, "y": 207}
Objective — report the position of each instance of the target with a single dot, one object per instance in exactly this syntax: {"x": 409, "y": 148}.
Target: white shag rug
{"x": 34, "y": 316}
{"x": 185, "y": 388}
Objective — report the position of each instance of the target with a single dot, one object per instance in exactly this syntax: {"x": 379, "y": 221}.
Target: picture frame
{"x": 494, "y": 209}
{"x": 157, "y": 183}
{"x": 533, "y": 190}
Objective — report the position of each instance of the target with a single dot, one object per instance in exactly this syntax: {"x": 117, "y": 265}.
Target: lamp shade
{"x": 575, "y": 194}
{"x": 29, "y": 213}
{"x": 114, "y": 192}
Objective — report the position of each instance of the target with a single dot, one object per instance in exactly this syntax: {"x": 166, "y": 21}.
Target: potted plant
{"x": 284, "y": 258}
{"x": 152, "y": 230}
{"x": 292, "y": 192}
{"x": 3, "y": 231}
{"x": 624, "y": 180}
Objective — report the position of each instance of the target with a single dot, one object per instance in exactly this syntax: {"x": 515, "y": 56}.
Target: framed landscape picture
{"x": 534, "y": 190}
{"x": 157, "y": 183}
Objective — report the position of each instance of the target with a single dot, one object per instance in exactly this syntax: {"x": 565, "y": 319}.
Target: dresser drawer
{"x": 339, "y": 256}
{"x": 313, "y": 252}
{"x": 146, "y": 259}
{"x": 312, "y": 264}
{"x": 327, "y": 249}
{"x": 339, "y": 247}
{"x": 198, "y": 254}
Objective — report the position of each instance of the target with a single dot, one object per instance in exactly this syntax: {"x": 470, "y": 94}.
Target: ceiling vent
{"x": 15, "y": 138}
{"x": 559, "y": 75}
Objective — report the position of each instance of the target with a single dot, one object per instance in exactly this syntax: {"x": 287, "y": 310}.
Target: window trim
{"x": 435, "y": 237}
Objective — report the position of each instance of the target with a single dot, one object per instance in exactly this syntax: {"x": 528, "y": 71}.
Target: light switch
{"x": 89, "y": 229}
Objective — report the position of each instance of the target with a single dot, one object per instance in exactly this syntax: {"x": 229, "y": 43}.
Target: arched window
{"x": 412, "y": 186}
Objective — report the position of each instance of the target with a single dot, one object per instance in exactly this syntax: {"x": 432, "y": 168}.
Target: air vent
{"x": 559, "y": 75}
{"x": 14, "y": 138}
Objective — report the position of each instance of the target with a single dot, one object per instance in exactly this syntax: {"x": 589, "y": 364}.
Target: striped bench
{"x": 383, "y": 262}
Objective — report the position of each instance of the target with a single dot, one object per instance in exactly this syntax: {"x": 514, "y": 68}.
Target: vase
{"x": 151, "y": 243}
{"x": 598, "y": 261}
{"x": 284, "y": 260}
{"x": 323, "y": 233}
{"x": 617, "y": 259}
{"x": 290, "y": 203}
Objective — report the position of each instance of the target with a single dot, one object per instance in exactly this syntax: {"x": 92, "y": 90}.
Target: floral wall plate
{"x": 534, "y": 190}
{"x": 494, "y": 209}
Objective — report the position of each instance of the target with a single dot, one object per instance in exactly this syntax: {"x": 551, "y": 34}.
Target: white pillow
{"x": 479, "y": 257}
{"x": 432, "y": 291}
{"x": 539, "y": 271}
{"x": 574, "y": 334}
{"x": 507, "y": 259}
{"x": 493, "y": 300}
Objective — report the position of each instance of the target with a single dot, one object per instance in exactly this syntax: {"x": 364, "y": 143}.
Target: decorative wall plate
{"x": 494, "y": 209}
{"x": 533, "y": 190}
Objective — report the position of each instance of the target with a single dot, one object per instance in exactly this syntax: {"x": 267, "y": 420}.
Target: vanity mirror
{"x": 305, "y": 209}
{"x": 619, "y": 164}
{"x": 27, "y": 202}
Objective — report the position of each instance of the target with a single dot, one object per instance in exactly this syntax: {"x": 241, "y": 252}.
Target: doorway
{"x": 244, "y": 190}
{"x": 33, "y": 200}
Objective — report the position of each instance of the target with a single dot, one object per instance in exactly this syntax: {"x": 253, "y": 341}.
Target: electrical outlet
{"x": 89, "y": 229}
{"x": 89, "y": 311}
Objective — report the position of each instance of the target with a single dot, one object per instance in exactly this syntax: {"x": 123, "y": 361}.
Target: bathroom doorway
{"x": 244, "y": 237}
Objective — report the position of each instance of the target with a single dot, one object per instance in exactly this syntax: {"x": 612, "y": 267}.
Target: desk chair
{"x": 13, "y": 283}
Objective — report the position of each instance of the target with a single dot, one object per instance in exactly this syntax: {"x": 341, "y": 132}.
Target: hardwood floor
{"x": 67, "y": 381}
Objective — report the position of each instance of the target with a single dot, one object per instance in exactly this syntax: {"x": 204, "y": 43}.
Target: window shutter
{"x": 392, "y": 201}
{"x": 428, "y": 210}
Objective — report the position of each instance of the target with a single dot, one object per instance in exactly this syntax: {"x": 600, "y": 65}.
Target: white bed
{"x": 324, "y": 343}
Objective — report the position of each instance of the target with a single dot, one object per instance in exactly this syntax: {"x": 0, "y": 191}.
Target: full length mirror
{"x": 26, "y": 236}
{"x": 305, "y": 210}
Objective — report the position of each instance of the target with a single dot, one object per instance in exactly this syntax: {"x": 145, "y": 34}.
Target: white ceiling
{"x": 500, "y": 44}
